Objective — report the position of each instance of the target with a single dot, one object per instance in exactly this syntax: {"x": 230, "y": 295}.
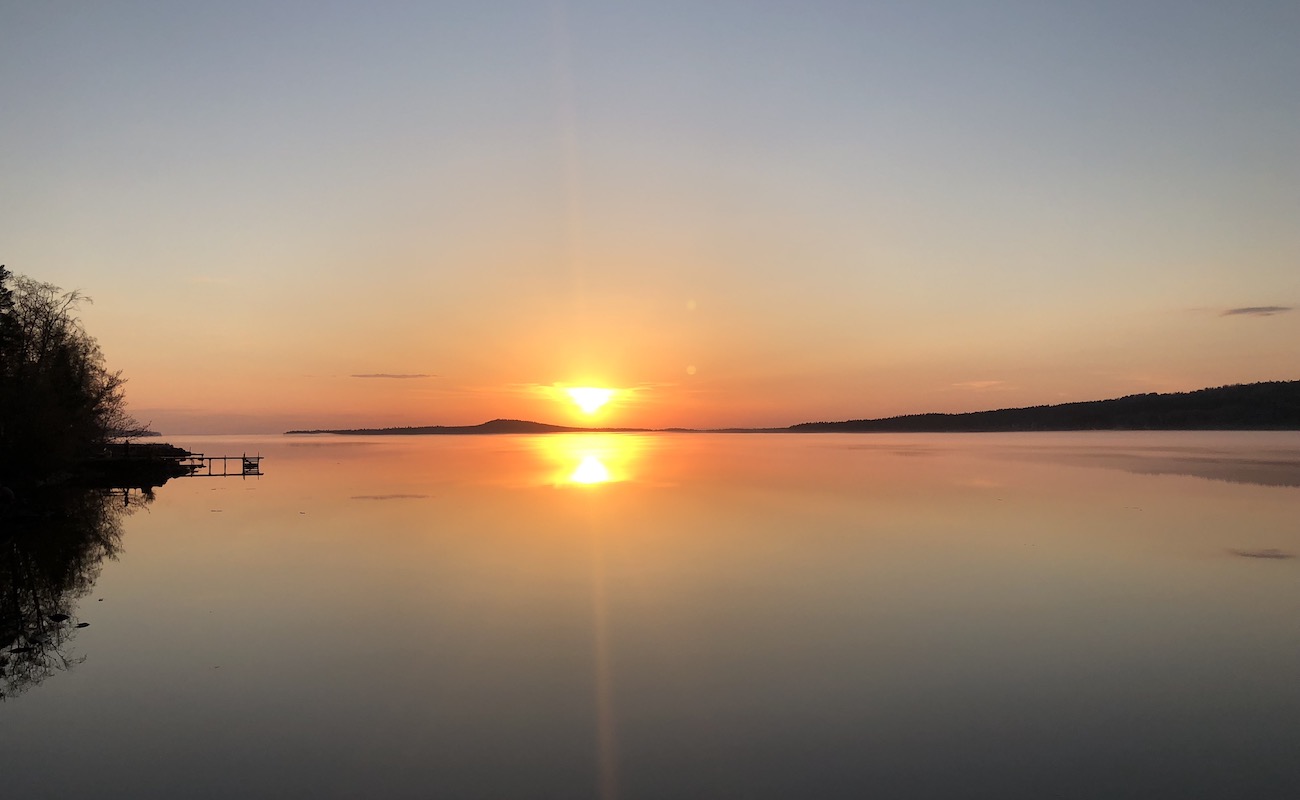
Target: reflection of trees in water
{"x": 51, "y": 551}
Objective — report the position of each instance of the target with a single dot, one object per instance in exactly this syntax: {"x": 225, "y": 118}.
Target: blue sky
{"x": 825, "y": 210}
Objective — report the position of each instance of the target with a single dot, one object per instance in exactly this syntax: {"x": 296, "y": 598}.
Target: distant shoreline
{"x": 1268, "y": 406}
{"x": 513, "y": 426}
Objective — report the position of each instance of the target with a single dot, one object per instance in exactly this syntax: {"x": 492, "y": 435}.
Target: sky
{"x": 316, "y": 214}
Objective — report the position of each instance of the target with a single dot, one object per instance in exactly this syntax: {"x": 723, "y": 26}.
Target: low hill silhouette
{"x": 1273, "y": 405}
{"x": 494, "y": 426}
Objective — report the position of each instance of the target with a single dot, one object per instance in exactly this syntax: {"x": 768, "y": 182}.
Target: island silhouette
{"x": 1269, "y": 405}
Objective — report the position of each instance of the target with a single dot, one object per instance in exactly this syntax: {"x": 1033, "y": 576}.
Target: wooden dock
{"x": 240, "y": 466}
{"x": 135, "y": 465}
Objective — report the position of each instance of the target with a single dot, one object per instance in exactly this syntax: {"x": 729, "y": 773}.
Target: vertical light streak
{"x": 606, "y": 732}
{"x": 567, "y": 128}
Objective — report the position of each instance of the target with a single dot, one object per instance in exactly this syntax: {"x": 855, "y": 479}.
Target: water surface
{"x": 648, "y": 616}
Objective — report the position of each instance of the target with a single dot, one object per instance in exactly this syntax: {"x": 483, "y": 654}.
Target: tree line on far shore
{"x": 59, "y": 402}
{"x": 1271, "y": 405}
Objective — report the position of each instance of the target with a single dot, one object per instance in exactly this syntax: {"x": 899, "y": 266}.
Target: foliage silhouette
{"x": 59, "y": 403}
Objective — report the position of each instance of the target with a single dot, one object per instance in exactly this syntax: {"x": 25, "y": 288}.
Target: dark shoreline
{"x": 118, "y": 466}
{"x": 1269, "y": 406}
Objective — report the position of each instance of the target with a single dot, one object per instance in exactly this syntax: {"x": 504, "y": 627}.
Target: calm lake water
{"x": 945, "y": 616}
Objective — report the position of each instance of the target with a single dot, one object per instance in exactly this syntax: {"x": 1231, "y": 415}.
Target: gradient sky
{"x": 747, "y": 213}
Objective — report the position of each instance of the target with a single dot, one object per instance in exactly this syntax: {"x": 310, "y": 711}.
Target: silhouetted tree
{"x": 6, "y": 307}
{"x": 58, "y": 401}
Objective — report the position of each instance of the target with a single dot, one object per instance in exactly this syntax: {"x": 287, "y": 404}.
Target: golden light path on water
{"x": 590, "y": 470}
{"x": 589, "y": 459}
{"x": 592, "y": 461}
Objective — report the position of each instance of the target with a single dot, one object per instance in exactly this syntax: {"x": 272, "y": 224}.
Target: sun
{"x": 588, "y": 398}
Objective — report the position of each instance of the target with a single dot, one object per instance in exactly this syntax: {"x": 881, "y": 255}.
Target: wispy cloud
{"x": 1269, "y": 553}
{"x": 398, "y": 375}
{"x": 981, "y": 386}
{"x": 1256, "y": 311}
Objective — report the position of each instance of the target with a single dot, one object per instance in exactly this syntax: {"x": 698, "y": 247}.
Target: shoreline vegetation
{"x": 69, "y": 474}
{"x": 63, "y": 418}
{"x": 1266, "y": 406}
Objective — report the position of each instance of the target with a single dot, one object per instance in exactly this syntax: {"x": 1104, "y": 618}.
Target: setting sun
{"x": 589, "y": 399}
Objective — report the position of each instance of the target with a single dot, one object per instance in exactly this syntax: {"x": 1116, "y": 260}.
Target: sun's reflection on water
{"x": 589, "y": 459}
{"x": 590, "y": 470}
